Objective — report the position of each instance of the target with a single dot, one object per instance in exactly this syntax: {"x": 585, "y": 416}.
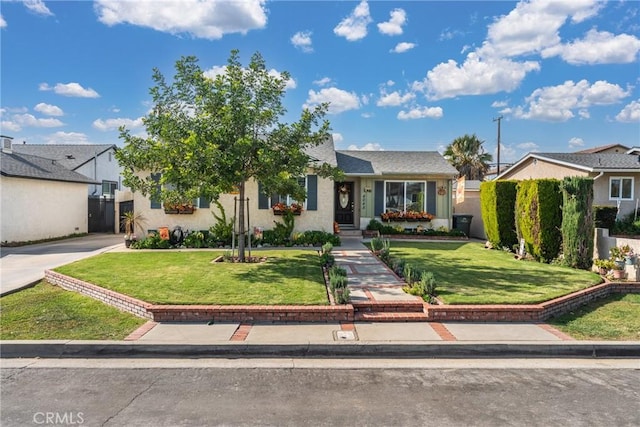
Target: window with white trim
{"x": 109, "y": 188}
{"x": 621, "y": 188}
{"x": 404, "y": 196}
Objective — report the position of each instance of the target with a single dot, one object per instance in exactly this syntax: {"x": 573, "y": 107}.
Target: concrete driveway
{"x": 22, "y": 266}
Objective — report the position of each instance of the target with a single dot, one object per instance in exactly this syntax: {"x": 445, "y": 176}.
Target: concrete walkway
{"x": 23, "y": 266}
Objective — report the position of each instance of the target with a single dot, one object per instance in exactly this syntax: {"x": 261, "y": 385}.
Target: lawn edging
{"x": 335, "y": 313}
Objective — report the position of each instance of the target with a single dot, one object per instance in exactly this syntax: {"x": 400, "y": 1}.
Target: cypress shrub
{"x": 497, "y": 204}
{"x": 539, "y": 217}
{"x": 605, "y": 216}
{"x": 577, "y": 221}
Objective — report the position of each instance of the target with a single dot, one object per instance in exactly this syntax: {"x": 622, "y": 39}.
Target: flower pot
{"x": 127, "y": 242}
{"x": 619, "y": 274}
{"x": 603, "y": 271}
{"x": 629, "y": 260}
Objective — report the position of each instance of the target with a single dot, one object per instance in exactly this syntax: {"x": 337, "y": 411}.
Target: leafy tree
{"x": 209, "y": 135}
{"x": 466, "y": 154}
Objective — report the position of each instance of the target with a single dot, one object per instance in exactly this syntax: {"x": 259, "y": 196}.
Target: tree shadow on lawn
{"x": 280, "y": 269}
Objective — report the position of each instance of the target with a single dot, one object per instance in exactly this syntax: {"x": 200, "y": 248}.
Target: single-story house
{"x": 40, "y": 197}
{"x": 616, "y": 175}
{"x": 375, "y": 182}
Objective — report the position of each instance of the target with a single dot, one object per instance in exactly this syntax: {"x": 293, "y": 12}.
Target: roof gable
{"x": 71, "y": 156}
{"x": 20, "y": 165}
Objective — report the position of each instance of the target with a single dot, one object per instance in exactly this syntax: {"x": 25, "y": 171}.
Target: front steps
{"x": 389, "y": 311}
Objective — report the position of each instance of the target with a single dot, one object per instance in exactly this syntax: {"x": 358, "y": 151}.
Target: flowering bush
{"x": 280, "y": 208}
{"x": 406, "y": 216}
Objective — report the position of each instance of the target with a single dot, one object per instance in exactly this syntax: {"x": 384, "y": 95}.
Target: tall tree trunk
{"x": 241, "y": 228}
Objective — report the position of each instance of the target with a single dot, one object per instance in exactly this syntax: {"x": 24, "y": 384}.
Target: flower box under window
{"x": 281, "y": 208}
{"x": 179, "y": 209}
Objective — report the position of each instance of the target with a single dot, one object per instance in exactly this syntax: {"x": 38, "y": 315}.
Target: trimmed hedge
{"x": 538, "y": 216}
{"x": 605, "y": 216}
{"x": 497, "y": 204}
{"x": 577, "y": 222}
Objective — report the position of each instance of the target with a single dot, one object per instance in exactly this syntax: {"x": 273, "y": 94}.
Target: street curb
{"x": 118, "y": 349}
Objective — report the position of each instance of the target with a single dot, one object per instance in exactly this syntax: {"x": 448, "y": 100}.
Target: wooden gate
{"x": 102, "y": 215}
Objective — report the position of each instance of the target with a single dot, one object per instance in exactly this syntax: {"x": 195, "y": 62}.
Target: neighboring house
{"x": 375, "y": 182}
{"x": 40, "y": 197}
{"x": 96, "y": 161}
{"x": 606, "y": 149}
{"x": 616, "y": 175}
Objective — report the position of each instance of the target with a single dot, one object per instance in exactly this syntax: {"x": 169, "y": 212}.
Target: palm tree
{"x": 466, "y": 154}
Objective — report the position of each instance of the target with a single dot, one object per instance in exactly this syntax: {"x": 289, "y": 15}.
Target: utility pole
{"x": 498, "y": 120}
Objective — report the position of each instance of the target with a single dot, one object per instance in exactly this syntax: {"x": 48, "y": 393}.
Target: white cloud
{"x": 302, "y": 40}
{"x": 3, "y": 23}
{"x": 49, "y": 110}
{"x": 371, "y": 146}
{"x": 576, "y": 142}
{"x": 528, "y": 146}
{"x": 325, "y": 81}
{"x": 37, "y": 6}
{"x": 354, "y": 26}
{"x": 210, "y": 19}
{"x": 337, "y": 137}
{"x": 394, "y": 99}
{"x": 393, "y": 27}
{"x": 499, "y": 104}
{"x": 339, "y": 100}
{"x": 533, "y": 26}
{"x": 598, "y": 48}
{"x": 556, "y": 103}
{"x": 291, "y": 83}
{"x": 70, "y": 89}
{"x": 448, "y": 34}
{"x": 367, "y": 115}
{"x": 28, "y": 120}
{"x": 507, "y": 154}
{"x": 114, "y": 124}
{"x": 67, "y": 138}
{"x": 474, "y": 77}
{"x": 8, "y": 125}
{"x": 421, "y": 113}
{"x": 630, "y": 113}
{"x": 403, "y": 47}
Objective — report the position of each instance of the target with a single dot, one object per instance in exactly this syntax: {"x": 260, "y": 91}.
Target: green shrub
{"x": 376, "y": 243}
{"x": 539, "y": 217}
{"x": 327, "y": 247}
{"x": 497, "y": 204}
{"x": 338, "y": 284}
{"x": 629, "y": 225}
{"x": 194, "y": 239}
{"x": 327, "y": 259}
{"x": 152, "y": 241}
{"x": 220, "y": 233}
{"x": 375, "y": 225}
{"x": 605, "y": 216}
{"x": 577, "y": 222}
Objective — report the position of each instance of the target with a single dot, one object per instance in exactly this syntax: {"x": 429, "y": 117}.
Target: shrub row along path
{"x": 369, "y": 279}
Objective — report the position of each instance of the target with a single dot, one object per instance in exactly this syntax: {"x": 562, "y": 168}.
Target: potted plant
{"x": 130, "y": 220}
{"x": 619, "y": 255}
{"x": 604, "y": 265}
{"x": 618, "y": 270}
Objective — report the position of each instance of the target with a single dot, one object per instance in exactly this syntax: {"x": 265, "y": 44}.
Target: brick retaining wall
{"x": 336, "y": 313}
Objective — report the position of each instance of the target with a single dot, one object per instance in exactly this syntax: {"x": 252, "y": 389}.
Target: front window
{"x": 405, "y": 196}
{"x": 620, "y": 188}
{"x": 109, "y": 188}
{"x": 287, "y": 199}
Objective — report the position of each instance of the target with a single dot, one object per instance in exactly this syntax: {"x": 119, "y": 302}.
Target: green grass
{"x": 616, "y": 317}
{"x": 49, "y": 312}
{"x": 287, "y": 277}
{"x": 467, "y": 273}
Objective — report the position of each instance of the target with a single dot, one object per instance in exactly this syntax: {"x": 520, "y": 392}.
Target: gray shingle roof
{"x": 354, "y": 162}
{"x": 323, "y": 153}
{"x": 27, "y": 166}
{"x": 595, "y": 161}
{"x": 71, "y": 156}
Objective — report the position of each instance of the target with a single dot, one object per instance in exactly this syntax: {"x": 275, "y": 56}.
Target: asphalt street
{"x": 337, "y": 394}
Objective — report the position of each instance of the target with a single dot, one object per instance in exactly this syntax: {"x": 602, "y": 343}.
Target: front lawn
{"x": 49, "y": 312}
{"x": 287, "y": 277}
{"x": 616, "y": 317}
{"x": 467, "y": 273}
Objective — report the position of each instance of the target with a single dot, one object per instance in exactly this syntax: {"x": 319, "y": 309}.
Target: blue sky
{"x": 564, "y": 75}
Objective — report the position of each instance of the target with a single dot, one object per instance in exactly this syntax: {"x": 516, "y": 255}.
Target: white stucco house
{"x": 375, "y": 182}
{"x": 40, "y": 198}
{"x": 616, "y": 174}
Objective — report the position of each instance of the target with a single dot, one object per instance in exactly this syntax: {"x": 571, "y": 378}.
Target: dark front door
{"x": 344, "y": 203}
